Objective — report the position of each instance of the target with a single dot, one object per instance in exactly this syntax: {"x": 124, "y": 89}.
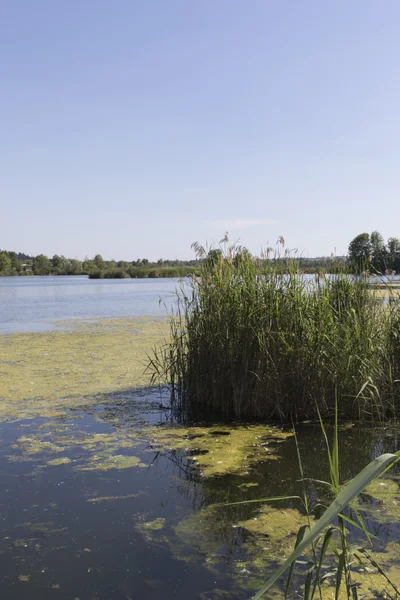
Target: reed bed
{"x": 252, "y": 339}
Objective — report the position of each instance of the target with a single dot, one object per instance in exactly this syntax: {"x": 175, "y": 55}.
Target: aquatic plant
{"x": 221, "y": 450}
{"x": 253, "y": 338}
{"x": 322, "y": 534}
{"x": 52, "y": 372}
{"x": 329, "y": 534}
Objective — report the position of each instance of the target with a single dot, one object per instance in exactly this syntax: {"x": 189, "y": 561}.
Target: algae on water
{"x": 97, "y": 499}
{"x": 245, "y": 550}
{"x": 46, "y": 374}
{"x": 387, "y": 493}
{"x": 221, "y": 450}
{"x": 155, "y": 525}
{"x": 64, "y": 460}
{"x": 101, "y": 463}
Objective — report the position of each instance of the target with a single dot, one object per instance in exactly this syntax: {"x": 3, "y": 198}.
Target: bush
{"x": 98, "y": 274}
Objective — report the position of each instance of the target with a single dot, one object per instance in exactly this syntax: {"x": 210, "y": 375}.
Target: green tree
{"x": 41, "y": 265}
{"x": 56, "y": 261}
{"x": 15, "y": 263}
{"x": 378, "y": 252}
{"x": 393, "y": 249}
{"x": 360, "y": 251}
{"x": 5, "y": 263}
{"x": 98, "y": 261}
{"x": 75, "y": 267}
{"x": 87, "y": 265}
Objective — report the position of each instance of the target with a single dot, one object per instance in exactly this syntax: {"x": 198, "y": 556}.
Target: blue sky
{"x": 133, "y": 128}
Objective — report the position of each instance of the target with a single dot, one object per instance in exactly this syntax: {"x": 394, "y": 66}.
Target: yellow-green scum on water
{"x": 223, "y": 449}
{"x": 47, "y": 373}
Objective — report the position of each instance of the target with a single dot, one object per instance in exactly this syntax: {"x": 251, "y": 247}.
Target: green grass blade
{"x": 360, "y": 527}
{"x": 350, "y": 491}
{"x": 307, "y": 585}
{"x": 339, "y": 574}
{"x": 325, "y": 544}
{"x": 300, "y": 536}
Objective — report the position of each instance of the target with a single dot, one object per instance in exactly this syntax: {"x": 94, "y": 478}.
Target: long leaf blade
{"x": 352, "y": 489}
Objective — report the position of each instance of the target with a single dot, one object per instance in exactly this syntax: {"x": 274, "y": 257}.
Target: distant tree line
{"x": 367, "y": 253}
{"x": 18, "y": 263}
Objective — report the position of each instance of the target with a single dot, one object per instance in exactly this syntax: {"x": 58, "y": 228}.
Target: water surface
{"x": 37, "y": 303}
{"x": 102, "y": 498}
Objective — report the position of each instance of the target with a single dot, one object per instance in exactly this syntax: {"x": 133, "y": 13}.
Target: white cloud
{"x": 236, "y": 224}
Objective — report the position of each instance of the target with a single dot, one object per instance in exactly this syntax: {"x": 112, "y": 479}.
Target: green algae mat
{"x": 46, "y": 373}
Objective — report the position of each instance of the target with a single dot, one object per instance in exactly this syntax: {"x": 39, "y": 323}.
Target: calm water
{"x": 37, "y": 303}
{"x": 70, "y": 533}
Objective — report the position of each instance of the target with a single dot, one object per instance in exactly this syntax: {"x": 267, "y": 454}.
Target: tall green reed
{"x": 253, "y": 338}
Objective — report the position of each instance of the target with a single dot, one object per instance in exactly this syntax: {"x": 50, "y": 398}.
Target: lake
{"x": 105, "y": 497}
{"x": 37, "y": 303}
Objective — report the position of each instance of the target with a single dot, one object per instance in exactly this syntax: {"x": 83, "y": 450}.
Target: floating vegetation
{"x": 208, "y": 537}
{"x": 222, "y": 450}
{"x": 64, "y": 460}
{"x": 47, "y": 528}
{"x": 35, "y": 445}
{"x": 201, "y": 537}
{"x": 92, "y": 451}
{"x": 19, "y": 459}
{"x": 25, "y": 542}
{"x": 101, "y": 463}
{"x": 155, "y": 525}
{"x": 24, "y": 578}
{"x": 151, "y": 530}
{"x": 246, "y": 486}
{"x": 274, "y": 531}
{"x": 387, "y": 493}
{"x": 49, "y": 373}
{"x": 112, "y": 498}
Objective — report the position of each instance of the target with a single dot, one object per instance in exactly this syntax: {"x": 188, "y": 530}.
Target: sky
{"x": 134, "y": 128}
